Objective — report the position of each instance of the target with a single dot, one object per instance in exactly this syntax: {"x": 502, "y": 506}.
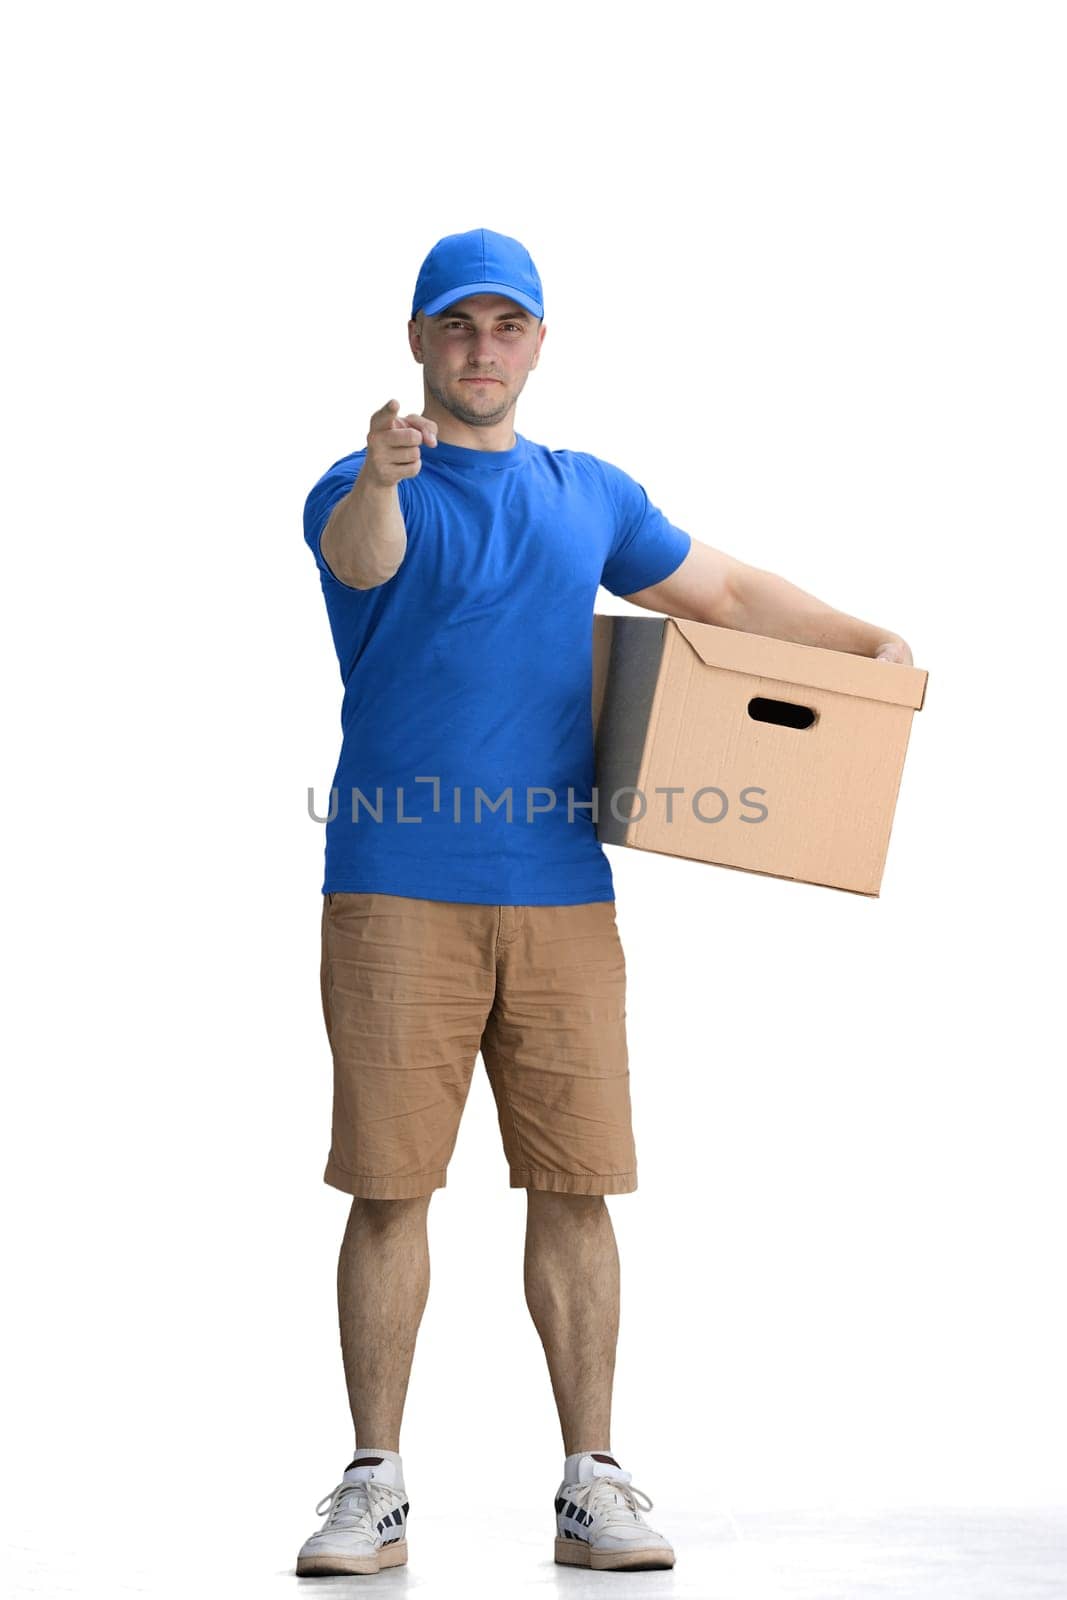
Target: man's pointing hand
{"x": 393, "y": 444}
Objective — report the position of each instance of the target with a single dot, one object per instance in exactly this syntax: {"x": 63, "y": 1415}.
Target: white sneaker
{"x": 597, "y": 1521}
{"x": 366, "y": 1521}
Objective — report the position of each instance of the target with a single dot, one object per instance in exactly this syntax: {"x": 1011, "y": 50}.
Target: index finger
{"x": 384, "y": 418}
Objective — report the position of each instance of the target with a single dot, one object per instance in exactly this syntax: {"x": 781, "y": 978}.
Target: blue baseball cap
{"x": 477, "y": 262}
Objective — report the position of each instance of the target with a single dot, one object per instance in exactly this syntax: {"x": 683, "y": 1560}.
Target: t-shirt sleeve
{"x": 646, "y": 547}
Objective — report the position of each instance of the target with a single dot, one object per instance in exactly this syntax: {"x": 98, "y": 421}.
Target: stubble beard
{"x": 463, "y": 413}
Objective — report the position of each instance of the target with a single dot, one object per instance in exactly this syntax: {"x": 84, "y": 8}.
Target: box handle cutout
{"x": 782, "y": 712}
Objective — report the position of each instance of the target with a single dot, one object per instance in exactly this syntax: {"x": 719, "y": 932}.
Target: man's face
{"x": 477, "y": 355}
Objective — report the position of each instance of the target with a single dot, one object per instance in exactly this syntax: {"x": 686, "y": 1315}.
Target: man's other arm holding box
{"x": 710, "y": 586}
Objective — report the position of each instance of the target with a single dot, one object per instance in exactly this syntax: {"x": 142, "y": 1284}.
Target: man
{"x": 468, "y": 905}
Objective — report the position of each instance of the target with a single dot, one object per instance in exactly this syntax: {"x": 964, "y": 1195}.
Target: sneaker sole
{"x": 393, "y": 1554}
{"x": 576, "y": 1553}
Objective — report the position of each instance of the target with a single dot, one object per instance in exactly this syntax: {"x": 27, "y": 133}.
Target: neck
{"x": 494, "y": 436}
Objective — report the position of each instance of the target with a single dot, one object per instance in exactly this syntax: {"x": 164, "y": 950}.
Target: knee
{"x": 386, "y": 1209}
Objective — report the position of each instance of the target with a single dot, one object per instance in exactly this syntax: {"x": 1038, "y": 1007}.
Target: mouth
{"x": 479, "y": 380}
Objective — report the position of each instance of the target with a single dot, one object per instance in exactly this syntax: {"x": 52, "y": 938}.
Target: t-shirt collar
{"x": 468, "y": 460}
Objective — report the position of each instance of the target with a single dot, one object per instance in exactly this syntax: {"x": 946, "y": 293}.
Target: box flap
{"x": 839, "y": 670}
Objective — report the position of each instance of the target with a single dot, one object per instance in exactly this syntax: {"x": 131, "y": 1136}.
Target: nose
{"x": 480, "y": 355}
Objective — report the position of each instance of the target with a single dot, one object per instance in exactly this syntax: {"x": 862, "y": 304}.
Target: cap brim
{"x": 432, "y": 307}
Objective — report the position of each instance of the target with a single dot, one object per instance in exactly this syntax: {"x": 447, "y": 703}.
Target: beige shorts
{"x": 413, "y": 989}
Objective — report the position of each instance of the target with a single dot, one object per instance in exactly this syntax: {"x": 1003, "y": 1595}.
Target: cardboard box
{"x": 788, "y": 757}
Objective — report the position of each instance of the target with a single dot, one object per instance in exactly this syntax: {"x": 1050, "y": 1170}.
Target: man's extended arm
{"x": 365, "y": 540}
{"x": 710, "y": 586}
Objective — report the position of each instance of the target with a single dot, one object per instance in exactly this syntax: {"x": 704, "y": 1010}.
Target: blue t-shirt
{"x": 468, "y": 674}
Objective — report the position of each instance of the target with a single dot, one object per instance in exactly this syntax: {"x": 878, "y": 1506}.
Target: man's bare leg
{"x": 383, "y": 1279}
{"x": 571, "y": 1272}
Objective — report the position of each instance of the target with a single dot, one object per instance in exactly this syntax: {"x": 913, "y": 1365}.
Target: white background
{"x": 803, "y": 270}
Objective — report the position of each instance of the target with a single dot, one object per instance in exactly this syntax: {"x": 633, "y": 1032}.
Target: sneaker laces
{"x": 609, "y": 1498}
{"x": 602, "y": 1496}
{"x": 347, "y": 1510}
